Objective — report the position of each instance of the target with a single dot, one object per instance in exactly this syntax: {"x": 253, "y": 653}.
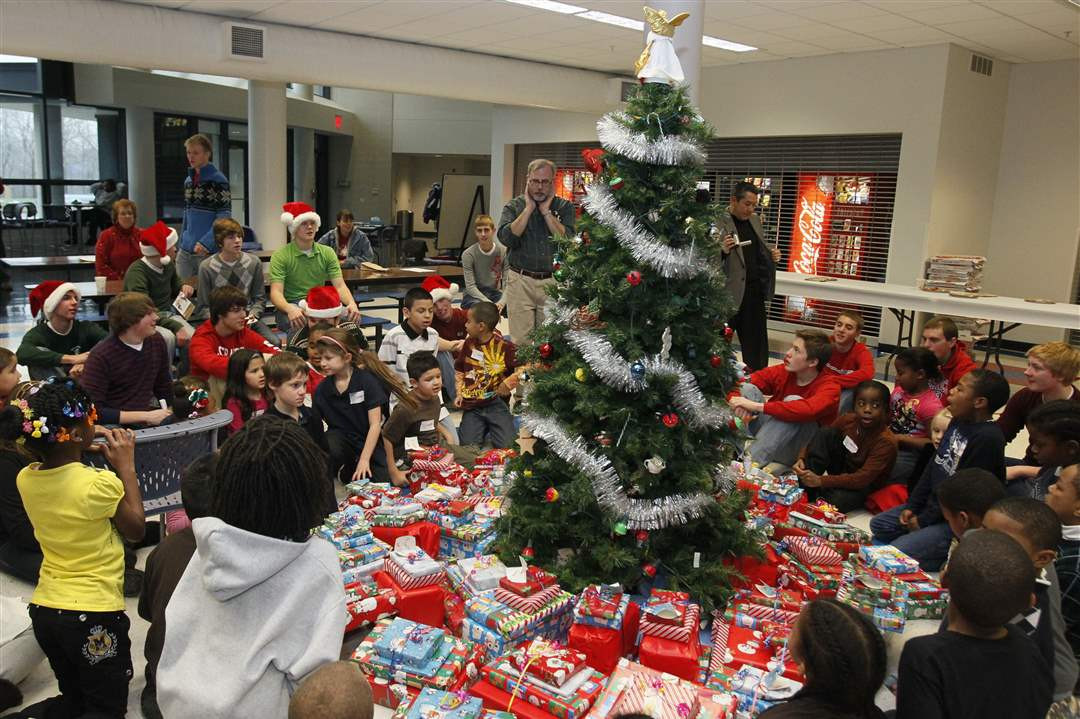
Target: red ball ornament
{"x": 716, "y": 360}
{"x": 546, "y": 350}
{"x": 528, "y": 553}
{"x": 633, "y": 277}
{"x": 594, "y": 160}
{"x": 670, "y": 420}
{"x": 551, "y": 495}
{"x": 641, "y": 536}
{"x": 648, "y": 569}
{"x": 728, "y": 332}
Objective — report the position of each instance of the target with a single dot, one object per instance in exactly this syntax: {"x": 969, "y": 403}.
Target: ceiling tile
{"x": 1020, "y": 8}
{"x": 1056, "y": 22}
{"x": 913, "y": 36}
{"x": 772, "y": 21}
{"x": 795, "y": 49}
{"x": 835, "y": 12}
{"x": 310, "y": 14}
{"x": 975, "y": 28}
{"x": 1031, "y": 45}
{"x": 741, "y": 34}
{"x": 854, "y": 43}
{"x": 229, "y": 8}
{"x": 817, "y": 33}
{"x": 734, "y": 9}
{"x": 174, "y": 4}
{"x": 906, "y": 6}
{"x": 876, "y": 22}
{"x": 930, "y": 14}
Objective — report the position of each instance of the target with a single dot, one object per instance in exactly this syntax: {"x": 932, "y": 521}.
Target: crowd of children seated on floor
{"x": 327, "y": 409}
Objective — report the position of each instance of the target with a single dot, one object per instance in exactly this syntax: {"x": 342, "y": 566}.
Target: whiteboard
{"x": 457, "y": 198}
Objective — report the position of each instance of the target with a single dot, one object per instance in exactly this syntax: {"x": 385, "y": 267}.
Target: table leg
{"x": 903, "y": 337}
{"x": 995, "y": 336}
{"x": 378, "y": 337}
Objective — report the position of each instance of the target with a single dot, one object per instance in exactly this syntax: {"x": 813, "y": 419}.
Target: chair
{"x": 9, "y": 211}
{"x": 162, "y": 453}
{"x": 28, "y": 207}
{"x": 385, "y": 244}
{"x": 251, "y": 242}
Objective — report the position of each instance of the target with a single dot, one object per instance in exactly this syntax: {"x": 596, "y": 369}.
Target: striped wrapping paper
{"x": 658, "y": 696}
{"x": 720, "y": 630}
{"x": 529, "y": 605}
{"x": 813, "y": 551}
{"x": 689, "y": 627}
{"x": 406, "y": 580}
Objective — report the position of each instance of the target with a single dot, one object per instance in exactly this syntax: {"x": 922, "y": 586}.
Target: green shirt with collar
{"x": 299, "y": 271}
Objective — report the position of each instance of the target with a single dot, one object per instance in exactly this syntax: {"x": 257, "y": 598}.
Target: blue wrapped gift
{"x": 406, "y": 642}
{"x": 426, "y": 669}
{"x": 436, "y": 704}
{"x": 583, "y": 616}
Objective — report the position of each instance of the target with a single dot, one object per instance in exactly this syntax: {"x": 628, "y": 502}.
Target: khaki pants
{"x": 525, "y": 299}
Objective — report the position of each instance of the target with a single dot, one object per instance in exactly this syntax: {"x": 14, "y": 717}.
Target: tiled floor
{"x": 41, "y": 684}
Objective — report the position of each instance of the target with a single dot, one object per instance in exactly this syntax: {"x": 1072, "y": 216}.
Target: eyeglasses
{"x": 541, "y": 183}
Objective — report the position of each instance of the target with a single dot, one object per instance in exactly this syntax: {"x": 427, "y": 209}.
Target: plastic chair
{"x": 162, "y": 453}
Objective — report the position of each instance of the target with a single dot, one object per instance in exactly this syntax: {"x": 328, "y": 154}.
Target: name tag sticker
{"x": 849, "y": 445}
{"x": 478, "y": 355}
{"x": 428, "y": 425}
{"x": 356, "y": 397}
{"x": 412, "y": 443}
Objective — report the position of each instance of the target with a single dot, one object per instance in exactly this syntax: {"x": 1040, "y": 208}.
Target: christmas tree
{"x": 628, "y": 477}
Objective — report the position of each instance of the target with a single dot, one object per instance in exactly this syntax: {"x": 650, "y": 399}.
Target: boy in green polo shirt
{"x": 301, "y": 265}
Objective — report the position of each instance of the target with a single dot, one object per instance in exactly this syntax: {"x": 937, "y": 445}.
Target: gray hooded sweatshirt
{"x": 250, "y": 618}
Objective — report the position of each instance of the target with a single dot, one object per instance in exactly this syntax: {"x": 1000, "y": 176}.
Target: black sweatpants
{"x": 90, "y": 654}
{"x": 750, "y": 325}
{"x": 826, "y": 454}
{"x": 344, "y": 450}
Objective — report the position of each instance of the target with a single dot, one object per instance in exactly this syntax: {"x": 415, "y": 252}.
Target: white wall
{"x": 435, "y": 125}
{"x": 413, "y": 175}
{"x": 1036, "y": 217}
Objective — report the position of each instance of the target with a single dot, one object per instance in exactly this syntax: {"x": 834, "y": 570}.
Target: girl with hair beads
{"x": 842, "y": 655}
{"x": 261, "y": 604}
{"x": 245, "y": 388}
{"x": 79, "y": 514}
{"x": 353, "y": 400}
{"x": 20, "y": 554}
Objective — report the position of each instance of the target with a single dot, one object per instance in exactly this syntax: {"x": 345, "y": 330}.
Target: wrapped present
{"x": 482, "y": 573}
{"x": 602, "y": 605}
{"x": 811, "y": 551}
{"x": 926, "y": 608}
{"x": 342, "y": 540}
{"x": 367, "y": 604}
{"x": 758, "y": 690}
{"x": 635, "y": 689}
{"x": 603, "y": 646}
{"x": 820, "y": 509}
{"x": 821, "y": 577}
{"x": 451, "y": 548}
{"x": 826, "y": 530}
{"x": 436, "y": 704}
{"x": 760, "y": 648}
{"x": 398, "y": 520}
{"x": 489, "y": 508}
{"x": 888, "y": 616}
{"x": 495, "y": 457}
{"x": 450, "y": 521}
{"x": 423, "y": 605}
{"x": 716, "y": 704}
{"x": 509, "y": 622}
{"x": 666, "y": 607}
{"x": 570, "y": 701}
{"x": 530, "y": 604}
{"x": 460, "y": 665}
{"x": 770, "y": 597}
{"x": 364, "y": 554}
{"x": 435, "y": 492}
{"x": 525, "y": 580}
{"x": 551, "y": 627}
{"x": 678, "y": 633}
{"x": 409, "y": 643}
{"x": 548, "y": 662}
{"x": 362, "y": 572}
{"x": 414, "y": 574}
{"x": 679, "y": 657}
{"x": 468, "y": 532}
{"x": 887, "y": 558}
{"x": 783, "y": 490}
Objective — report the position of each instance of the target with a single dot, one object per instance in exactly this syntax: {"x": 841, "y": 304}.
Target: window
{"x": 21, "y": 149}
{"x": 229, "y": 143}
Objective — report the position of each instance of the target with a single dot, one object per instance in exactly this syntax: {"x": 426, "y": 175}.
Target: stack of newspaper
{"x": 954, "y": 273}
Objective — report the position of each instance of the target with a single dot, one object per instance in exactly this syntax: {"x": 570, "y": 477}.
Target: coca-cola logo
{"x": 810, "y": 224}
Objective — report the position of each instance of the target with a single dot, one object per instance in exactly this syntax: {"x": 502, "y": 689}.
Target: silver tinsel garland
{"x": 669, "y": 150}
{"x": 614, "y": 371}
{"x": 667, "y": 261}
{"x": 648, "y": 514}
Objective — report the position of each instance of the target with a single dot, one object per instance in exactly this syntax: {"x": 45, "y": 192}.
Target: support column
{"x": 141, "y": 174}
{"x": 302, "y": 183}
{"x": 687, "y": 38}
{"x": 266, "y": 161}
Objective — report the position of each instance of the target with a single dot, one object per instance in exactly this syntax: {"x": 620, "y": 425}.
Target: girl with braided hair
{"x": 842, "y": 655}
{"x": 261, "y": 603}
{"x": 354, "y": 399}
{"x": 79, "y": 514}
{"x": 1054, "y": 443}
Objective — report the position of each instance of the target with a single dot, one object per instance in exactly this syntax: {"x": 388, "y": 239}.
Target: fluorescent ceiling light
{"x": 726, "y": 44}
{"x": 550, "y": 6}
{"x": 610, "y": 19}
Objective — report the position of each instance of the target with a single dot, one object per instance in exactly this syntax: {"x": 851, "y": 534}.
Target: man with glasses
{"x": 528, "y": 223}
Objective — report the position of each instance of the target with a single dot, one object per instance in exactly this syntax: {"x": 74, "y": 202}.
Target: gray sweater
{"x": 483, "y": 270}
{"x": 246, "y": 274}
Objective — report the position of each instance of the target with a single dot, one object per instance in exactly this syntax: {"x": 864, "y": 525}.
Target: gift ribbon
{"x": 536, "y": 650}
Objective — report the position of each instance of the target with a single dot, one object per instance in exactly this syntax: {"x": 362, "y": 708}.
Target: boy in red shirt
{"x": 939, "y": 336}
{"x": 225, "y": 332}
{"x": 449, "y": 323}
{"x": 486, "y": 377}
{"x": 801, "y": 398}
{"x": 851, "y": 362}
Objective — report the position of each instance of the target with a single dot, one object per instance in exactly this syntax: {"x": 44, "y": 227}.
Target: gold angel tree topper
{"x": 658, "y": 61}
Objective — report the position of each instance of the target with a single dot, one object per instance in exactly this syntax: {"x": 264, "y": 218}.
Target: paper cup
{"x": 100, "y": 281}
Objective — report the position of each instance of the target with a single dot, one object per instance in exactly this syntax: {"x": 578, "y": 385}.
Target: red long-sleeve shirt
{"x": 209, "y": 352}
{"x": 116, "y": 249}
{"x": 814, "y": 402}
{"x": 851, "y": 367}
{"x": 958, "y": 365}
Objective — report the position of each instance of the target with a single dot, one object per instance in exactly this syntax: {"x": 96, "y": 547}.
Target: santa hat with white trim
{"x": 156, "y": 240}
{"x": 45, "y": 297}
{"x": 439, "y": 288}
{"x": 322, "y": 303}
{"x": 295, "y": 214}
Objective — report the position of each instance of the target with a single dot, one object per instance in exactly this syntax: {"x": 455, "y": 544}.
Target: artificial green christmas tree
{"x": 629, "y": 375}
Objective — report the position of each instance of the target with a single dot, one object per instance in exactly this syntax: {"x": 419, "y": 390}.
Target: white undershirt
{"x": 1070, "y": 531}
{"x": 158, "y": 270}
{"x": 62, "y": 334}
{"x": 136, "y": 347}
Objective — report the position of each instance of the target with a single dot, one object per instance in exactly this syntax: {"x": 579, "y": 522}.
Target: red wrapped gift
{"x": 498, "y": 700}
{"x": 546, "y": 661}
{"x": 752, "y": 646}
{"x": 602, "y": 646}
{"x": 423, "y": 605}
{"x": 762, "y": 571}
{"x": 785, "y": 531}
{"x": 666, "y": 607}
{"x": 678, "y": 657}
{"x": 459, "y": 508}
{"x": 454, "y": 609}
{"x": 390, "y": 694}
{"x": 813, "y": 551}
{"x": 787, "y": 599}
{"x": 371, "y": 608}
{"x": 682, "y": 633}
{"x": 535, "y": 580}
{"x": 426, "y": 533}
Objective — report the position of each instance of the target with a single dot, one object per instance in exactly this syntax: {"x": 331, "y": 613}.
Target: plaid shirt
{"x": 1067, "y": 565}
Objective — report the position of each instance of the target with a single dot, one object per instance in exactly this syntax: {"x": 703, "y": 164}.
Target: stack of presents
{"x": 456, "y": 634}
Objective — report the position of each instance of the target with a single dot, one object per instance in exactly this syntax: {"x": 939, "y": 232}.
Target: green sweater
{"x": 42, "y": 347}
{"x": 162, "y": 287}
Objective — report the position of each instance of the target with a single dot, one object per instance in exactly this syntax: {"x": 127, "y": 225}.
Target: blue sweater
{"x": 204, "y": 202}
{"x": 964, "y": 445}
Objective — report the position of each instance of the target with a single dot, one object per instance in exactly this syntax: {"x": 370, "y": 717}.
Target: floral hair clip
{"x": 200, "y": 400}
{"x": 38, "y": 427}
{"x": 62, "y": 435}
{"x": 23, "y": 406}
{"x": 73, "y": 411}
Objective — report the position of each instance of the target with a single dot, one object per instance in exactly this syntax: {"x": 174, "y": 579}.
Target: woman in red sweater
{"x": 118, "y": 246}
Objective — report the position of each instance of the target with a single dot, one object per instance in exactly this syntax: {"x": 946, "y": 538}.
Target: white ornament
{"x": 655, "y": 464}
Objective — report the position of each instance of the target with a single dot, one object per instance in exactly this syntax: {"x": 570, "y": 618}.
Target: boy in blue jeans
{"x": 486, "y": 376}
{"x": 918, "y": 528}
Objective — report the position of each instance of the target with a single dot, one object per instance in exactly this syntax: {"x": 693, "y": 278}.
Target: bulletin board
{"x": 460, "y": 204}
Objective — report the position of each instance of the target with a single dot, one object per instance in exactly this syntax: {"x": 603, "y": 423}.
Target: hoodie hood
{"x": 235, "y": 560}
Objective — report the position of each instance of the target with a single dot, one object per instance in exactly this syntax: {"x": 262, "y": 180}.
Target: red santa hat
{"x": 45, "y": 297}
{"x": 156, "y": 240}
{"x": 439, "y": 288}
{"x": 295, "y": 214}
{"x": 322, "y": 303}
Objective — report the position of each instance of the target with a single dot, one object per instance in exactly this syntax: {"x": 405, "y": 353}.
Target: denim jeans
{"x": 928, "y": 545}
{"x": 488, "y": 425}
{"x": 491, "y": 293}
{"x": 775, "y": 441}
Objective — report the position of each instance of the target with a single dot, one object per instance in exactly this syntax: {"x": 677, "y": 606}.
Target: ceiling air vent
{"x": 244, "y": 42}
{"x": 982, "y": 65}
